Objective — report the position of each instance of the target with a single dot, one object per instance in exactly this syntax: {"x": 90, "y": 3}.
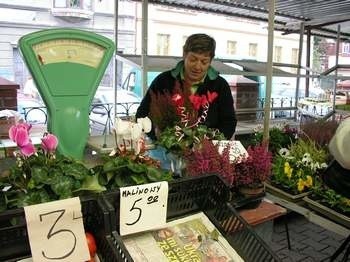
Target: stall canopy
{"x": 320, "y": 17}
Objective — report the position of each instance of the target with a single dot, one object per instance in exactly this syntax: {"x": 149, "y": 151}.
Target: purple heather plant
{"x": 206, "y": 159}
{"x": 254, "y": 169}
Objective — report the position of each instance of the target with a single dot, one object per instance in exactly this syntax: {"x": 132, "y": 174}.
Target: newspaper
{"x": 190, "y": 239}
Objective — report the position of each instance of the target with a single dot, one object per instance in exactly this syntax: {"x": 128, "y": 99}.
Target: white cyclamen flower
{"x": 122, "y": 127}
{"x": 136, "y": 131}
{"x": 146, "y": 124}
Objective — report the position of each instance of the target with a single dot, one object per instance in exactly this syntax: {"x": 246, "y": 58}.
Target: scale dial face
{"x": 69, "y": 50}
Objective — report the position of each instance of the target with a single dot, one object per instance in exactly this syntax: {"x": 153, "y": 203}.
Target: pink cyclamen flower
{"x": 24, "y": 127}
{"x": 49, "y": 143}
{"x": 20, "y": 135}
{"x": 28, "y": 149}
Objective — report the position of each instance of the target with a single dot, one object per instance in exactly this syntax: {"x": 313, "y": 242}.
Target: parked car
{"x": 102, "y": 114}
{"x": 342, "y": 97}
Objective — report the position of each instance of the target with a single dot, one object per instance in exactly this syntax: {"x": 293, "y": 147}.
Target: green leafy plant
{"x": 279, "y": 137}
{"x": 330, "y": 198}
{"x": 189, "y": 137}
{"x": 40, "y": 175}
{"x": 295, "y": 169}
{"x": 125, "y": 168}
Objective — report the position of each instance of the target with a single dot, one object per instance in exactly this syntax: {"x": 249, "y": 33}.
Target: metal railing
{"x": 101, "y": 115}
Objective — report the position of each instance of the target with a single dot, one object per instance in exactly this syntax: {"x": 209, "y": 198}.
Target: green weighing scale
{"x": 67, "y": 66}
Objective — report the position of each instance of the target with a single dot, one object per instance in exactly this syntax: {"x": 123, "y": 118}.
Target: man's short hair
{"x": 200, "y": 43}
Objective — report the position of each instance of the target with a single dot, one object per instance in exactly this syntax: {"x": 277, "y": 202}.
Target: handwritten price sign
{"x": 143, "y": 207}
{"x": 56, "y": 231}
{"x": 236, "y": 148}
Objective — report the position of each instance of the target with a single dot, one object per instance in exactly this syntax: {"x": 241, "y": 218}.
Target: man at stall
{"x": 196, "y": 74}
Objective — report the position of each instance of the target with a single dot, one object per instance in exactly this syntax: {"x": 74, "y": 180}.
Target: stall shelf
{"x": 207, "y": 194}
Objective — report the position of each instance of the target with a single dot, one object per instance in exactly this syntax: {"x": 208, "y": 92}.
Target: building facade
{"x": 168, "y": 28}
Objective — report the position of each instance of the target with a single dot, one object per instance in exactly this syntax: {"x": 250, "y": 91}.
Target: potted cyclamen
{"x": 40, "y": 175}
{"x": 179, "y": 120}
{"x": 253, "y": 170}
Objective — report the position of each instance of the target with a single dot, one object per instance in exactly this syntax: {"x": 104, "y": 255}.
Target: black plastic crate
{"x": 210, "y": 195}
{"x": 14, "y": 241}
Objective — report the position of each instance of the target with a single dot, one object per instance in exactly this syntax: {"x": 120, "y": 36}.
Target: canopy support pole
{"x": 269, "y": 71}
{"x": 144, "y": 46}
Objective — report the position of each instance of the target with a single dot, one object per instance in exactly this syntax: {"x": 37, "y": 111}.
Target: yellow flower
{"x": 301, "y": 185}
{"x": 308, "y": 181}
{"x": 346, "y": 201}
{"x": 288, "y": 170}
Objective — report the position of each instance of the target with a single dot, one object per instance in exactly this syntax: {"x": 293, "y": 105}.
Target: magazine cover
{"x": 190, "y": 239}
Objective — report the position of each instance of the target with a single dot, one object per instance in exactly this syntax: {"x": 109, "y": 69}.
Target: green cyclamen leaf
{"x": 137, "y": 168}
{"x": 40, "y": 175}
{"x": 138, "y": 179}
{"x": 33, "y": 197}
{"x": 63, "y": 187}
{"x": 76, "y": 170}
{"x": 154, "y": 174}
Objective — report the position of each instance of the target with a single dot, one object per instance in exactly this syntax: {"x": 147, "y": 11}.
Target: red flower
{"x": 211, "y": 96}
{"x": 178, "y": 100}
{"x": 198, "y": 101}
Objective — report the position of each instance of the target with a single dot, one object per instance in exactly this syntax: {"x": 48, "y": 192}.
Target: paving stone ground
{"x": 309, "y": 242}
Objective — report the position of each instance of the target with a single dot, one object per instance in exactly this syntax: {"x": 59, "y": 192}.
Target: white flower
{"x": 121, "y": 127}
{"x": 324, "y": 165}
{"x": 135, "y": 131}
{"x": 146, "y": 124}
{"x": 284, "y": 152}
{"x": 307, "y": 160}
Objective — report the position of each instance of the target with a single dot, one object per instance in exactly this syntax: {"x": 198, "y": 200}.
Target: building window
{"x": 253, "y": 50}
{"x": 346, "y": 48}
{"x": 231, "y": 47}
{"x": 277, "y": 54}
{"x": 80, "y": 4}
{"x": 294, "y": 60}
{"x": 163, "y": 44}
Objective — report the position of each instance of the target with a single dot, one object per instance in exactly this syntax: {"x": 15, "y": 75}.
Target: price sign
{"x": 236, "y": 148}
{"x": 56, "y": 231}
{"x": 143, "y": 207}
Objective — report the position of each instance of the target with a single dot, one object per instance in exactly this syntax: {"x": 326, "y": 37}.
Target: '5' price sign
{"x": 143, "y": 207}
{"x": 56, "y": 231}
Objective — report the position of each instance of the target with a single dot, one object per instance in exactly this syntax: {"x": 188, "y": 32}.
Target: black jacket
{"x": 221, "y": 113}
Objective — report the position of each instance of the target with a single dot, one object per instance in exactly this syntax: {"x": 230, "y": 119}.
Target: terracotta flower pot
{"x": 252, "y": 191}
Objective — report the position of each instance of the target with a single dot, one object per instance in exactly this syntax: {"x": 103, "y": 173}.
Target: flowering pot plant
{"x": 280, "y": 136}
{"x": 254, "y": 169}
{"x": 205, "y": 159}
{"x": 128, "y": 163}
{"x": 40, "y": 175}
{"x": 295, "y": 168}
{"x": 330, "y": 198}
{"x": 179, "y": 119}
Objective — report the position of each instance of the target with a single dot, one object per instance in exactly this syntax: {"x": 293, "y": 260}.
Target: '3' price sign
{"x": 56, "y": 231}
{"x": 143, "y": 207}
